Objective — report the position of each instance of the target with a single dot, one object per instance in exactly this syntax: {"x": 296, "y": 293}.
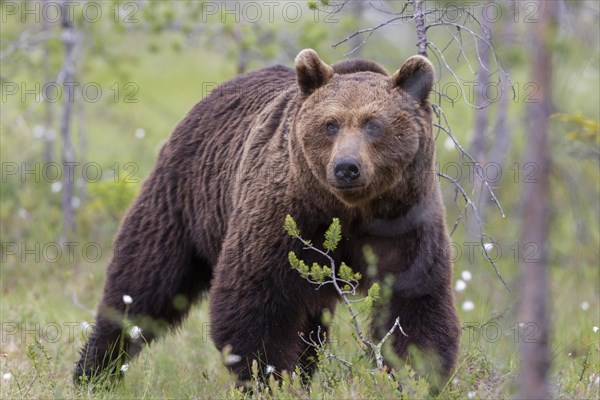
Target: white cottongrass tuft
{"x": 585, "y": 305}
{"x": 135, "y": 332}
{"x": 488, "y": 246}
{"x": 56, "y": 187}
{"x": 270, "y": 369}
{"x": 595, "y": 329}
{"x": 124, "y": 367}
{"x": 38, "y": 131}
{"x": 471, "y": 395}
{"x": 21, "y": 212}
{"x": 466, "y": 275}
{"x": 460, "y": 285}
{"x": 449, "y": 143}
{"x": 85, "y": 326}
{"x": 231, "y": 359}
{"x": 140, "y": 133}
{"x": 7, "y": 376}
{"x": 127, "y": 299}
{"x": 468, "y": 305}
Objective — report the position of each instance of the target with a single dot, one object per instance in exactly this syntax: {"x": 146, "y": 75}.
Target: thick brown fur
{"x": 210, "y": 215}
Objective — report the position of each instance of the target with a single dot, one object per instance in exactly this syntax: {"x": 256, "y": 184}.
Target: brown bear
{"x": 346, "y": 141}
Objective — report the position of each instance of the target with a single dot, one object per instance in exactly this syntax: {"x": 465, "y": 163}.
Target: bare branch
{"x": 464, "y": 154}
{"x": 371, "y": 30}
{"x": 353, "y": 283}
{"x": 73, "y": 297}
{"x": 389, "y": 333}
{"x": 334, "y": 281}
{"x": 469, "y": 203}
{"x": 27, "y": 40}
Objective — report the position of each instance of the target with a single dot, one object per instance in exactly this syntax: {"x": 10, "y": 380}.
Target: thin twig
{"x": 370, "y": 30}
{"x": 375, "y": 348}
{"x": 479, "y": 222}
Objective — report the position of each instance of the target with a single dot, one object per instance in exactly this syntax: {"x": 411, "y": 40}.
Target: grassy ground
{"x": 43, "y": 327}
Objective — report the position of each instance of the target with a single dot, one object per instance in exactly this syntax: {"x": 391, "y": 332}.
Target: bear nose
{"x": 346, "y": 170}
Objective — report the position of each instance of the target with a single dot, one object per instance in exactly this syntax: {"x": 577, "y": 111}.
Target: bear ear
{"x": 311, "y": 72}
{"x": 415, "y": 77}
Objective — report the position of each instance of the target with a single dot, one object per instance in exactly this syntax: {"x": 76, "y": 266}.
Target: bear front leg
{"x": 256, "y": 323}
{"x": 432, "y": 328}
{"x": 422, "y": 297}
{"x": 259, "y": 305}
{"x": 105, "y": 351}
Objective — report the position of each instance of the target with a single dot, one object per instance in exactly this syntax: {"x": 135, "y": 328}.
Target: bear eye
{"x": 332, "y": 128}
{"x": 373, "y": 128}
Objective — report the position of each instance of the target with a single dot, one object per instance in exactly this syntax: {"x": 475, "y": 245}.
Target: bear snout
{"x": 347, "y": 171}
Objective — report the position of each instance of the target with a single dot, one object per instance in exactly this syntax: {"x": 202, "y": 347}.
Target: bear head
{"x": 363, "y": 133}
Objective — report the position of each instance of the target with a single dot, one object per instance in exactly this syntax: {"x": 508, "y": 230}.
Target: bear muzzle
{"x": 348, "y": 180}
{"x": 347, "y": 172}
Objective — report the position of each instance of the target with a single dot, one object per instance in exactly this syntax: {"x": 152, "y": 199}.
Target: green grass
{"x": 185, "y": 364}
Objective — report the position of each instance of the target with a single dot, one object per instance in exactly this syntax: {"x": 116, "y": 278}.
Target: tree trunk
{"x": 502, "y": 136}
{"x": 535, "y": 357}
{"x": 83, "y": 147}
{"x": 68, "y": 156}
{"x": 242, "y": 51}
{"x": 502, "y": 132}
{"x": 49, "y": 106}
{"x": 479, "y": 143}
{"x": 420, "y": 26}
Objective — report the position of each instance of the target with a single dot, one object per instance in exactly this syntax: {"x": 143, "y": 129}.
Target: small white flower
{"x": 570, "y": 354}
{"x": 466, "y": 275}
{"x": 135, "y": 332}
{"x": 127, "y": 299}
{"x": 56, "y": 187}
{"x": 270, "y": 369}
{"x": 21, "y": 212}
{"x": 488, "y": 246}
{"x": 468, "y": 305}
{"x": 521, "y": 324}
{"x": 140, "y": 133}
{"x": 595, "y": 329}
{"x": 75, "y": 202}
{"x": 232, "y": 359}
{"x": 7, "y": 376}
{"x": 471, "y": 395}
{"x": 86, "y": 329}
{"x": 585, "y": 305}
{"x": 449, "y": 143}
{"x": 460, "y": 285}
{"x": 455, "y": 381}
{"x": 124, "y": 367}
{"x": 38, "y": 131}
